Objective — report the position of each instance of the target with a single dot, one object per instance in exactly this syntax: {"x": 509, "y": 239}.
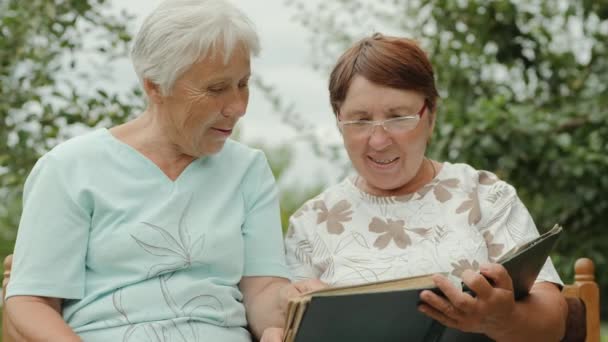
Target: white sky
{"x": 285, "y": 63}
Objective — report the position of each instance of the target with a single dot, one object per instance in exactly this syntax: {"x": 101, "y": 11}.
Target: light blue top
{"x": 139, "y": 257}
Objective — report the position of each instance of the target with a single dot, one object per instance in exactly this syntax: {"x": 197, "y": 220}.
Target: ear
{"x": 153, "y": 91}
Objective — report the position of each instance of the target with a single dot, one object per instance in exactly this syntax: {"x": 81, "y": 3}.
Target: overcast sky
{"x": 285, "y": 63}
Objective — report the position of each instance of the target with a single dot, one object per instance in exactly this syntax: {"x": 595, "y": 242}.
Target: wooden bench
{"x": 583, "y": 323}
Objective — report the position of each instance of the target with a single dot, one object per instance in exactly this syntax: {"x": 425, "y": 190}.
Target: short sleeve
{"x": 52, "y": 238}
{"x": 509, "y": 224}
{"x": 264, "y": 251}
{"x": 299, "y": 248}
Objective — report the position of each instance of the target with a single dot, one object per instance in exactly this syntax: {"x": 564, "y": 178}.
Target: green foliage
{"x": 45, "y": 92}
{"x": 523, "y": 87}
{"x": 291, "y": 196}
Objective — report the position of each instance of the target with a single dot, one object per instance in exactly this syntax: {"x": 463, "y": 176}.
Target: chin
{"x": 212, "y": 148}
{"x": 386, "y": 183}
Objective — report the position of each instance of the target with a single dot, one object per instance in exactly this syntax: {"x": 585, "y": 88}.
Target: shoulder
{"x": 237, "y": 153}
{"x": 470, "y": 177}
{"x": 338, "y": 198}
{"x": 78, "y": 149}
{"x": 489, "y": 189}
{"x": 68, "y": 158}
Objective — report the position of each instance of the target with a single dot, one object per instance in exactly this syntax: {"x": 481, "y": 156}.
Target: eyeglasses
{"x": 399, "y": 124}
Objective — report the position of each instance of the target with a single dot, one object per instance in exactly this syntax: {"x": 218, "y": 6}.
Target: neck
{"x": 148, "y": 136}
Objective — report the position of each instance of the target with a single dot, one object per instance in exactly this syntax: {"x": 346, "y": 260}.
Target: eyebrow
{"x": 399, "y": 109}
{"x": 222, "y": 81}
{"x": 402, "y": 109}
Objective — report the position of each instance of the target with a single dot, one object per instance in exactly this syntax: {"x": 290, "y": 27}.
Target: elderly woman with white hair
{"x": 161, "y": 228}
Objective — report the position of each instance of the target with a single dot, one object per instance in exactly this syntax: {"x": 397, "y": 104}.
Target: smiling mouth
{"x": 225, "y": 131}
{"x": 383, "y": 161}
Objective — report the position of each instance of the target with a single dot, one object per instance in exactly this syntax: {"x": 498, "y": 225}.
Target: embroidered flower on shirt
{"x": 463, "y": 265}
{"x": 389, "y": 230}
{"x": 440, "y": 189}
{"x": 494, "y": 249}
{"x": 176, "y": 251}
{"x": 472, "y": 206}
{"x": 181, "y": 251}
{"x": 335, "y": 216}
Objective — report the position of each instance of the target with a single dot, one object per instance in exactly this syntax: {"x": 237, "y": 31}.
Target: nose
{"x": 379, "y": 138}
{"x": 236, "y": 103}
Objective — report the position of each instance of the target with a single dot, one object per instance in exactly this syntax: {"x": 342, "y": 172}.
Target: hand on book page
{"x": 297, "y": 289}
{"x": 486, "y": 312}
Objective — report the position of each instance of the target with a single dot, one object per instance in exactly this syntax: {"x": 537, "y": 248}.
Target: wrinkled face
{"x": 386, "y": 162}
{"x": 206, "y": 102}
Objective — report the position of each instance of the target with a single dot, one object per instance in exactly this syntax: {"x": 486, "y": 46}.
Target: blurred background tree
{"x": 524, "y": 88}
{"x": 41, "y": 51}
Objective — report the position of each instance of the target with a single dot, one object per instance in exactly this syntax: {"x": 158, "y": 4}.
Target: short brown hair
{"x": 388, "y": 61}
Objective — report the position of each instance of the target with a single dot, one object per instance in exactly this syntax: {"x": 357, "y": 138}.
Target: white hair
{"x": 178, "y": 33}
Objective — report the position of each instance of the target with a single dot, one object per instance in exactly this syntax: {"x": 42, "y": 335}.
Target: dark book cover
{"x": 384, "y": 316}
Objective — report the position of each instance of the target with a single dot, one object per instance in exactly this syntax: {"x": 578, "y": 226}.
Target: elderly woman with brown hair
{"x": 160, "y": 229}
{"x": 403, "y": 214}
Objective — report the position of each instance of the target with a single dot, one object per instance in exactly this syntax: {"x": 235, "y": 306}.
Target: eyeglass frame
{"x": 382, "y": 123}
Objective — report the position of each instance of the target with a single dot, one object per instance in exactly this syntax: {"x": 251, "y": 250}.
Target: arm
{"x": 38, "y": 319}
{"x": 263, "y": 302}
{"x": 266, "y": 300}
{"x": 50, "y": 254}
{"x": 494, "y": 311}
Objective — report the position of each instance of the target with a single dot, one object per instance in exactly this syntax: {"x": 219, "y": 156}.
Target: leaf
{"x": 465, "y": 206}
{"x": 421, "y": 231}
{"x": 303, "y": 252}
{"x": 117, "y": 302}
{"x": 451, "y": 183}
{"x": 382, "y": 241}
{"x": 442, "y": 194}
{"x": 201, "y": 301}
{"x": 167, "y": 294}
{"x": 154, "y": 250}
{"x": 360, "y": 239}
{"x": 168, "y": 238}
{"x": 162, "y": 269}
{"x": 377, "y": 225}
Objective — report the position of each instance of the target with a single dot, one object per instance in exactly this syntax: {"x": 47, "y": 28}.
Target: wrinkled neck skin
{"x": 147, "y": 135}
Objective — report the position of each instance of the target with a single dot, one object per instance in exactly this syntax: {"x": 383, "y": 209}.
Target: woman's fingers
{"x": 272, "y": 335}
{"x": 498, "y": 276}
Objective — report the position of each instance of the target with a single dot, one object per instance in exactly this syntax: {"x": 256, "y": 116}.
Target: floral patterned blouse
{"x": 461, "y": 219}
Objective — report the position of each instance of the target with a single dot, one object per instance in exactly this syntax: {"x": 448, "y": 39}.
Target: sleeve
{"x": 509, "y": 224}
{"x": 262, "y": 234}
{"x": 299, "y": 248}
{"x": 50, "y": 251}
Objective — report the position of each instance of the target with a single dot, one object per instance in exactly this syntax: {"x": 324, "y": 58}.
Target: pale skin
{"x": 193, "y": 121}
{"x": 393, "y": 164}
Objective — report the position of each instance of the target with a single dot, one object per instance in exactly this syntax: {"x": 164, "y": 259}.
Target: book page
{"x": 418, "y": 282}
